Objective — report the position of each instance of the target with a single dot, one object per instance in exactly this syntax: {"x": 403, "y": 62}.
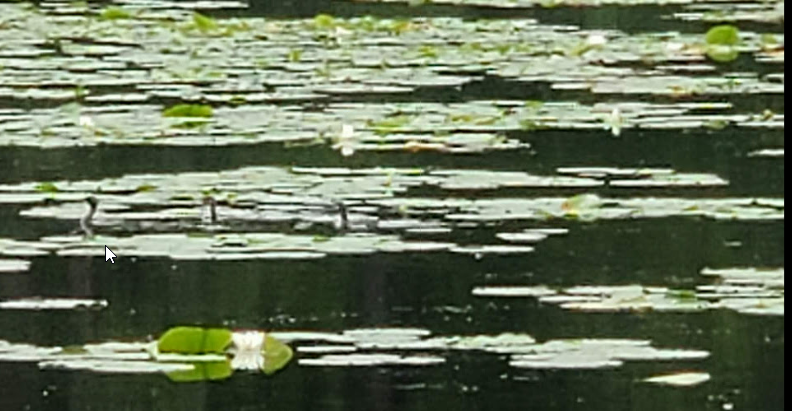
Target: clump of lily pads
{"x": 183, "y": 354}
{"x": 746, "y": 291}
{"x": 387, "y": 347}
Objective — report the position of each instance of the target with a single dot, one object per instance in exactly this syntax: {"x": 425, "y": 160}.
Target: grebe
{"x": 86, "y": 223}
{"x": 211, "y": 216}
{"x": 361, "y": 223}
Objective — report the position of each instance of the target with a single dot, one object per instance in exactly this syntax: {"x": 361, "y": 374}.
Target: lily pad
{"x": 14, "y": 266}
{"x": 188, "y": 110}
{"x": 194, "y": 340}
{"x": 723, "y": 35}
{"x": 685, "y": 379}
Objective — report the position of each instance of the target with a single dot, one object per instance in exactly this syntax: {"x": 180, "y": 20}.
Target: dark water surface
{"x": 426, "y": 290}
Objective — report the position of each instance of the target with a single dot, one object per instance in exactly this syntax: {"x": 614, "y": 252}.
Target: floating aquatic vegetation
{"x": 257, "y": 198}
{"x": 189, "y": 357}
{"x": 374, "y": 347}
{"x": 230, "y": 246}
{"x": 597, "y": 353}
{"x": 116, "y": 367}
{"x": 265, "y": 69}
{"x": 489, "y": 210}
{"x": 257, "y": 190}
{"x": 719, "y": 12}
{"x": 204, "y": 24}
{"x": 513, "y": 291}
{"x": 747, "y": 291}
{"x": 512, "y": 4}
{"x": 370, "y": 360}
{"x": 194, "y": 340}
{"x": 722, "y": 41}
{"x": 114, "y": 13}
{"x": 326, "y": 349}
{"x": 767, "y": 152}
{"x": 673, "y": 180}
{"x": 38, "y": 304}
{"x": 188, "y": 110}
{"x": 683, "y": 379}
{"x": 14, "y": 266}
{"x": 533, "y": 235}
{"x": 724, "y": 35}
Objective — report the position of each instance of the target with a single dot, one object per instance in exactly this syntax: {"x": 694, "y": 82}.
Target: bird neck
{"x": 344, "y": 217}
{"x": 86, "y": 221}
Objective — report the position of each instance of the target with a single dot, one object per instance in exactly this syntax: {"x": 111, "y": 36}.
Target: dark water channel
{"x": 431, "y": 291}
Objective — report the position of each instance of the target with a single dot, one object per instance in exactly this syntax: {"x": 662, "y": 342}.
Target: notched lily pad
{"x": 194, "y": 340}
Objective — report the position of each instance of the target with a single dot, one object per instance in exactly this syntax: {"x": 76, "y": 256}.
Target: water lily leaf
{"x": 46, "y": 187}
{"x": 725, "y": 35}
{"x": 324, "y": 21}
{"x": 722, "y": 54}
{"x": 276, "y": 355}
{"x": 14, "y": 266}
{"x": 203, "y": 23}
{"x": 194, "y": 340}
{"x": 203, "y": 371}
{"x": 114, "y": 13}
{"x": 685, "y": 379}
{"x": 188, "y": 110}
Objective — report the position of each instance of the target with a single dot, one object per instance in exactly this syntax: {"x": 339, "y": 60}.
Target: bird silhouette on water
{"x": 344, "y": 223}
{"x": 211, "y": 216}
{"x": 86, "y": 221}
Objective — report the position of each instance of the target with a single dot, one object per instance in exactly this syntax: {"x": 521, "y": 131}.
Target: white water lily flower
{"x": 347, "y": 131}
{"x": 346, "y": 142}
{"x": 340, "y": 31}
{"x": 86, "y": 122}
{"x": 248, "y": 346}
{"x": 347, "y": 150}
{"x": 596, "y": 40}
{"x": 674, "y": 47}
{"x": 614, "y": 122}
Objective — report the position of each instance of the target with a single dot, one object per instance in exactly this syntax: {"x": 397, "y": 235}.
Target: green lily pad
{"x": 194, "y": 340}
{"x": 46, "y": 188}
{"x": 188, "y": 110}
{"x": 276, "y": 355}
{"x": 722, "y": 54}
{"x": 203, "y": 371}
{"x": 203, "y": 23}
{"x": 114, "y": 13}
{"x": 724, "y": 35}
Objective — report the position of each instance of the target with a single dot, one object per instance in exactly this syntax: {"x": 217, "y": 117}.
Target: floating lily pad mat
{"x": 372, "y": 347}
{"x": 745, "y": 290}
{"x": 379, "y": 347}
{"x": 273, "y": 195}
{"x": 462, "y": 128}
{"x": 266, "y": 355}
{"x": 229, "y": 246}
{"x": 763, "y": 12}
{"x": 120, "y": 78}
{"x": 509, "y": 4}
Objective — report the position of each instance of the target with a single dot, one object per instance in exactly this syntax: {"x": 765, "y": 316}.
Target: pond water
{"x": 550, "y": 205}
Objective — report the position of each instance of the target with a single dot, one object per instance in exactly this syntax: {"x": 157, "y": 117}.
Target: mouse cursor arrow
{"x": 109, "y": 255}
